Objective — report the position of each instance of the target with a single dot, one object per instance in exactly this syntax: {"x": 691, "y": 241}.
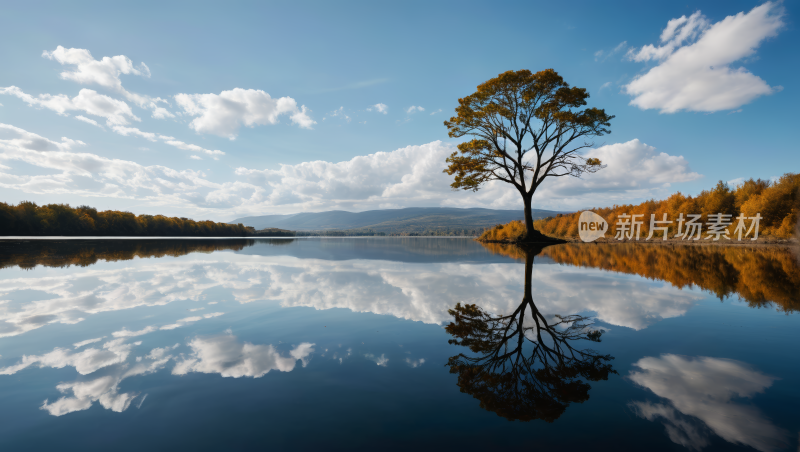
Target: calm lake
{"x": 396, "y": 344}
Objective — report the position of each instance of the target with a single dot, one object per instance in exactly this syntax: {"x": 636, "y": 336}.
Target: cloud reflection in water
{"x": 419, "y": 292}
{"x": 222, "y": 354}
{"x": 226, "y": 356}
{"x": 706, "y": 388}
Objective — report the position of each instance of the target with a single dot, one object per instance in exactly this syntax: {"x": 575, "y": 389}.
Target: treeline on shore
{"x": 274, "y": 232}
{"x": 443, "y": 232}
{"x": 340, "y": 233}
{"x": 29, "y": 219}
{"x": 440, "y": 232}
{"x": 778, "y": 204}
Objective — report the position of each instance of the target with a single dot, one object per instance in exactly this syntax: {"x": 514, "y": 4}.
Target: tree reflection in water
{"x": 525, "y": 366}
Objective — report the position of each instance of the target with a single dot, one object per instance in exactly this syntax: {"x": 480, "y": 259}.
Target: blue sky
{"x": 213, "y": 110}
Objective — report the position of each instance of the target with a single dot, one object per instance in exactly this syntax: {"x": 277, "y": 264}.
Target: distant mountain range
{"x": 412, "y": 219}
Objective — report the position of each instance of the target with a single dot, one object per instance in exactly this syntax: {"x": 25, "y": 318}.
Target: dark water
{"x": 396, "y": 344}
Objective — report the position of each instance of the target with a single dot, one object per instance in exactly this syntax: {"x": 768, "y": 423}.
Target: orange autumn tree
{"x": 525, "y": 128}
{"x": 777, "y": 202}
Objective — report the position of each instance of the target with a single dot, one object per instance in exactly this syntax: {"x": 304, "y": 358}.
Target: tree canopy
{"x": 525, "y": 127}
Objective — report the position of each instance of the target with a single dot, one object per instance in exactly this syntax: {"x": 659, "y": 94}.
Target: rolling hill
{"x": 412, "y": 219}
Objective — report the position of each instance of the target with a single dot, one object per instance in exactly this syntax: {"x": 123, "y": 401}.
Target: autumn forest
{"x": 27, "y": 218}
{"x": 777, "y": 202}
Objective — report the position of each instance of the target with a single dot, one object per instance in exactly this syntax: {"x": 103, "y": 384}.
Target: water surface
{"x": 396, "y": 343}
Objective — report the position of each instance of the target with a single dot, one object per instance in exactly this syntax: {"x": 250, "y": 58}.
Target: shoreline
{"x": 249, "y": 237}
{"x": 792, "y": 243}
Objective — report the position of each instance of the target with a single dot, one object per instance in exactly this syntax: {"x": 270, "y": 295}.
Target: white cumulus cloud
{"x": 193, "y": 148}
{"x": 635, "y": 170}
{"x": 106, "y": 73}
{"x": 380, "y": 108}
{"x": 695, "y": 58}
{"x": 412, "y": 176}
{"x": 88, "y": 121}
{"x": 225, "y": 113}
{"x": 133, "y": 131}
{"x": 86, "y": 174}
{"x": 116, "y": 112}
{"x": 407, "y": 177}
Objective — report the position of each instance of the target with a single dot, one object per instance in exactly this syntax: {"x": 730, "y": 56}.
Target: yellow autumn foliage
{"x": 778, "y": 203}
{"x": 512, "y": 231}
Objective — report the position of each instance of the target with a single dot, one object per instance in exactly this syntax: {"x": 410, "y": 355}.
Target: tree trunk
{"x": 532, "y": 235}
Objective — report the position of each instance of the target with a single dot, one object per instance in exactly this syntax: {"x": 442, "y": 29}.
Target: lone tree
{"x": 526, "y": 127}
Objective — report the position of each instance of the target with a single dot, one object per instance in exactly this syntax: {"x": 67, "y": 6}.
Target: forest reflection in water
{"x": 27, "y": 254}
{"x": 759, "y": 276}
{"x": 523, "y": 365}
